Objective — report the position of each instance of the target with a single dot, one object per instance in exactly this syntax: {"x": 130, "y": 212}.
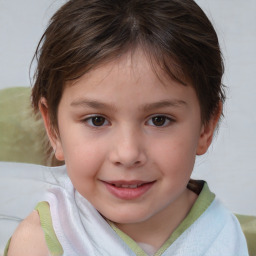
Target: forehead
{"x": 130, "y": 78}
{"x": 136, "y": 63}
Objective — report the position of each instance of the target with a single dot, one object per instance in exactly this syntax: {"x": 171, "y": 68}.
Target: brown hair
{"x": 175, "y": 34}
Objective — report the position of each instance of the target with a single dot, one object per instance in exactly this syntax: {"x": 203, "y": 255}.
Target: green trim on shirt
{"x": 129, "y": 241}
{"x": 51, "y": 239}
{"x": 7, "y": 247}
{"x": 203, "y": 201}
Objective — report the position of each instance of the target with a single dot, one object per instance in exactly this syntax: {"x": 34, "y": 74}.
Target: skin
{"x": 147, "y": 131}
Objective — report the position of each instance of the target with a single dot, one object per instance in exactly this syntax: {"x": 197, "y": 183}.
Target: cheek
{"x": 176, "y": 149}
{"x": 83, "y": 164}
{"x": 83, "y": 156}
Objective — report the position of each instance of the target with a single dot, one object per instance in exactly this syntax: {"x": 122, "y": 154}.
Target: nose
{"x": 128, "y": 149}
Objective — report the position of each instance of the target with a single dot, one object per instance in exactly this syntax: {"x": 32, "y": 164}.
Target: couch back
{"x": 22, "y": 134}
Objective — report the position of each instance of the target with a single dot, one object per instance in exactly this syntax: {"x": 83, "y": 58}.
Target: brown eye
{"x": 159, "y": 120}
{"x": 98, "y": 120}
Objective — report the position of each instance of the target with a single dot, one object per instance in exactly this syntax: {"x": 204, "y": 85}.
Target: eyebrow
{"x": 91, "y": 104}
{"x": 147, "y": 107}
{"x": 164, "y": 104}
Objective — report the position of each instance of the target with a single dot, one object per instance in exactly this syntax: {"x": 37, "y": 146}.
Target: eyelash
{"x": 164, "y": 121}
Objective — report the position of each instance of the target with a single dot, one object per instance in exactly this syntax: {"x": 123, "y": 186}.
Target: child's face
{"x": 129, "y": 141}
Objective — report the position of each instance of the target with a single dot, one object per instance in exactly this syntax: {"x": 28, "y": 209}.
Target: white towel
{"x": 82, "y": 231}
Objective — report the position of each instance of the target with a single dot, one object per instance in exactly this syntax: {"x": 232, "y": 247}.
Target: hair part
{"x": 176, "y": 35}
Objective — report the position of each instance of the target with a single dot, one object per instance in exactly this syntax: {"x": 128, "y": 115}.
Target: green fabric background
{"x": 21, "y": 135}
{"x": 248, "y": 224}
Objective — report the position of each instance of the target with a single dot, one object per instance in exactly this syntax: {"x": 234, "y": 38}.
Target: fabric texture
{"x": 52, "y": 241}
{"x": 81, "y": 230}
{"x": 22, "y": 137}
{"x": 22, "y": 133}
{"x": 248, "y": 224}
{"x": 22, "y": 186}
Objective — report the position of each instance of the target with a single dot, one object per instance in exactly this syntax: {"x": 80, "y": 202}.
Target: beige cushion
{"x": 22, "y": 134}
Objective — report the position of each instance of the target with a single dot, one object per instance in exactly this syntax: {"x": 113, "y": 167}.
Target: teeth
{"x": 133, "y": 186}
{"x": 127, "y": 186}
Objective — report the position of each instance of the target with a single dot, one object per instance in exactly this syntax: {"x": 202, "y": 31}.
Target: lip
{"x": 128, "y": 193}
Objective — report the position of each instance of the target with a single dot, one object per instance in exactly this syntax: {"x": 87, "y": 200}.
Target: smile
{"x": 128, "y": 190}
{"x": 127, "y": 186}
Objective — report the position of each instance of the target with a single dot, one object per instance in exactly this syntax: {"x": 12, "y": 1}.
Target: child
{"x": 130, "y": 92}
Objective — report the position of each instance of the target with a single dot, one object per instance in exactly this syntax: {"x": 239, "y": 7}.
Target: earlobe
{"x": 52, "y": 135}
{"x": 207, "y": 132}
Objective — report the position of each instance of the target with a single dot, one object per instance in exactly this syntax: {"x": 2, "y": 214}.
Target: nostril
{"x": 117, "y": 163}
{"x": 133, "y": 164}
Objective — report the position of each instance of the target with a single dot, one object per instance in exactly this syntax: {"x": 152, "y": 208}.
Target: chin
{"x": 128, "y": 217}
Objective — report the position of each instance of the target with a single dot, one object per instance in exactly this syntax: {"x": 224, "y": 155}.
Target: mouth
{"x": 128, "y": 190}
{"x": 127, "y": 185}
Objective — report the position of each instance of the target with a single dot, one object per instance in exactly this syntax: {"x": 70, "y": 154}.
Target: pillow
{"x": 248, "y": 224}
{"x": 22, "y": 137}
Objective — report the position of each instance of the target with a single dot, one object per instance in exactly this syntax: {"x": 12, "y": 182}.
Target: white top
{"x": 81, "y": 230}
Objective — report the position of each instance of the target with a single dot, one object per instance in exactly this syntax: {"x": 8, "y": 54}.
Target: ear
{"x": 51, "y": 132}
{"x": 207, "y": 131}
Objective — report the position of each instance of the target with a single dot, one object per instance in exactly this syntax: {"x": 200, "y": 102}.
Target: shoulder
{"x": 28, "y": 238}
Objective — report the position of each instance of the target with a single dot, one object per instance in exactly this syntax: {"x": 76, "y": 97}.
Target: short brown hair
{"x": 176, "y": 34}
